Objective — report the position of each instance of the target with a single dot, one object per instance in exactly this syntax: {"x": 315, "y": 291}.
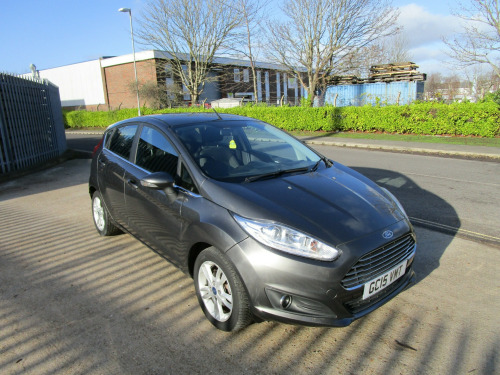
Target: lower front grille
{"x": 360, "y": 304}
{"x": 379, "y": 261}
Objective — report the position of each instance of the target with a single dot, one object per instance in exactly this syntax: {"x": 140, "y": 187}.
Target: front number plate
{"x": 376, "y": 285}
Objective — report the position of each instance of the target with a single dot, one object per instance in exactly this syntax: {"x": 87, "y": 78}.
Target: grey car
{"x": 268, "y": 228}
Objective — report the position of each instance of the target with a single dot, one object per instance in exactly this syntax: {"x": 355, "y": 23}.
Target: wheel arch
{"x": 92, "y": 190}
{"x": 195, "y": 250}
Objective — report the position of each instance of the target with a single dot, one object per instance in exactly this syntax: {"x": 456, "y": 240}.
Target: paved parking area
{"x": 72, "y": 302}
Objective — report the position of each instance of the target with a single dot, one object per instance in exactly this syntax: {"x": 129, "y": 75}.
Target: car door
{"x": 153, "y": 215}
{"x": 111, "y": 164}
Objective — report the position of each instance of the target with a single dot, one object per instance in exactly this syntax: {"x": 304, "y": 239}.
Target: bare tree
{"x": 481, "y": 83}
{"x": 246, "y": 44}
{"x": 365, "y": 58}
{"x": 452, "y": 87}
{"x": 191, "y": 32}
{"x": 396, "y": 49}
{"x": 479, "y": 43}
{"x": 433, "y": 89}
{"x": 160, "y": 93}
{"x": 320, "y": 36}
{"x": 155, "y": 95}
{"x": 473, "y": 86}
{"x": 389, "y": 50}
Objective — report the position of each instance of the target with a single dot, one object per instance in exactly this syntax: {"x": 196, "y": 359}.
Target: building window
{"x": 246, "y": 75}
{"x": 237, "y": 77}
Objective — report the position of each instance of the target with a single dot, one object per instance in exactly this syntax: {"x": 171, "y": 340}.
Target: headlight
{"x": 286, "y": 239}
{"x": 395, "y": 200}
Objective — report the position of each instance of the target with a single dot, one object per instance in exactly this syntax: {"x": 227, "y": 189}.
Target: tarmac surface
{"x": 72, "y": 302}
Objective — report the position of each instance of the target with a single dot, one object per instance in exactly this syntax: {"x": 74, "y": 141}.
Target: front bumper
{"x": 298, "y": 290}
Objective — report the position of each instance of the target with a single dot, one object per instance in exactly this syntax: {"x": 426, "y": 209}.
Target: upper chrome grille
{"x": 379, "y": 261}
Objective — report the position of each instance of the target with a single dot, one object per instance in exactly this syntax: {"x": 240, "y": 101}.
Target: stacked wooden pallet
{"x": 345, "y": 80}
{"x": 406, "y": 71}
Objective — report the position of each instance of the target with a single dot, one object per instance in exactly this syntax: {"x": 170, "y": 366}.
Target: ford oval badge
{"x": 387, "y": 234}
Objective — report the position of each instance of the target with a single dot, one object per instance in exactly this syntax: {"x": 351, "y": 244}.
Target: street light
{"x": 129, "y": 11}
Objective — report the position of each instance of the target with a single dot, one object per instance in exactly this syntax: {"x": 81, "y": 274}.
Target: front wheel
{"x": 220, "y": 291}
{"x": 101, "y": 217}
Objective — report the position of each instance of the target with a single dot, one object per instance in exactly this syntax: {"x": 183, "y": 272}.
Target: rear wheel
{"x": 220, "y": 291}
{"x": 101, "y": 217}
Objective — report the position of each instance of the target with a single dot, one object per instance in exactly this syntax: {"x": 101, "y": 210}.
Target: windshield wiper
{"x": 327, "y": 162}
{"x": 275, "y": 174}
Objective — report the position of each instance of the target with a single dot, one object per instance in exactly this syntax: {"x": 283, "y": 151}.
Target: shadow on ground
{"x": 73, "y": 302}
{"x": 416, "y": 201}
{"x": 62, "y": 175}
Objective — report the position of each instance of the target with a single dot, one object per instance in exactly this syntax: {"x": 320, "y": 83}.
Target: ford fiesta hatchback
{"x": 268, "y": 228}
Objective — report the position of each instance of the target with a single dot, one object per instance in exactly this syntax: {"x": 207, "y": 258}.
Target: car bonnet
{"x": 335, "y": 204}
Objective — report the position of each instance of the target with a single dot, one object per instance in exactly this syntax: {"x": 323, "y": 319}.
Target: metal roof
{"x": 156, "y": 54}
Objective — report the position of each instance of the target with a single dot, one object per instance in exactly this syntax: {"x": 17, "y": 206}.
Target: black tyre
{"x": 102, "y": 221}
{"x": 220, "y": 291}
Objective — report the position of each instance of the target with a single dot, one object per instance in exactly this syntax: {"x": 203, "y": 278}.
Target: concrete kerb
{"x": 85, "y": 132}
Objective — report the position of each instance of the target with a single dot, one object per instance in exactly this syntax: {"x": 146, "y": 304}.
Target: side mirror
{"x": 158, "y": 181}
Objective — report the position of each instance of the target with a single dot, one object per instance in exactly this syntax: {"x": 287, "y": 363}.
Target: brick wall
{"x": 120, "y": 80}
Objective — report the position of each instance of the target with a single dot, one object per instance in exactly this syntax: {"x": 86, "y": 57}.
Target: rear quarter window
{"x": 122, "y": 139}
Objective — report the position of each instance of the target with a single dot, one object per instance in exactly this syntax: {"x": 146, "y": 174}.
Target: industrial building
{"x": 105, "y": 83}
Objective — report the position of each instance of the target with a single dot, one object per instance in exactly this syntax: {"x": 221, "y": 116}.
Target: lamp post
{"x": 129, "y": 11}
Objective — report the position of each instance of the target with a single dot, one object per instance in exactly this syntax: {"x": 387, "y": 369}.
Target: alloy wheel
{"x": 215, "y": 291}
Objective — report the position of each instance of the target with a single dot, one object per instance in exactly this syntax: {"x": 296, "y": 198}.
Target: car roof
{"x": 177, "y": 119}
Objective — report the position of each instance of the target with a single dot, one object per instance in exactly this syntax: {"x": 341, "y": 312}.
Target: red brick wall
{"x": 120, "y": 80}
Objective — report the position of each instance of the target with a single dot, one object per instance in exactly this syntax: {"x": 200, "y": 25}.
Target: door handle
{"x": 133, "y": 183}
{"x": 101, "y": 162}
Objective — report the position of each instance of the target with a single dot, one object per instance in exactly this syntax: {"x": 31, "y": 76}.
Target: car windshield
{"x": 245, "y": 151}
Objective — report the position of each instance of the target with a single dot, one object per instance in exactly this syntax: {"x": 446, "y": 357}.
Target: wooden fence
{"x": 31, "y": 123}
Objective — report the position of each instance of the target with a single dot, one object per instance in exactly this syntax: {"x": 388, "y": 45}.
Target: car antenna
{"x": 220, "y": 118}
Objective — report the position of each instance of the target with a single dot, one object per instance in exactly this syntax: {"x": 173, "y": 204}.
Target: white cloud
{"x": 421, "y": 27}
{"x": 433, "y": 51}
{"x": 424, "y": 32}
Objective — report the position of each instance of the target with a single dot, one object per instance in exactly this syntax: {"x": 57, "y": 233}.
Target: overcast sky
{"x": 53, "y": 33}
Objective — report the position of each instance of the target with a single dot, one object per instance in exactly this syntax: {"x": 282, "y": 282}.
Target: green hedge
{"x": 467, "y": 119}
{"x": 102, "y": 119}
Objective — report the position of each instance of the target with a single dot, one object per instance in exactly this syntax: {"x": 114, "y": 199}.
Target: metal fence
{"x": 31, "y": 123}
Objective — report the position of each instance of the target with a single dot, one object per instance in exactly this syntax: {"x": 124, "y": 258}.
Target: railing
{"x": 31, "y": 123}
